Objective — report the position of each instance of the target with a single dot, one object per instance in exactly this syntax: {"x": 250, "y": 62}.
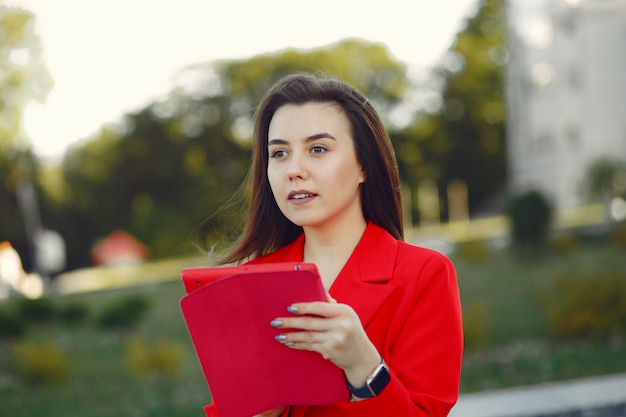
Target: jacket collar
{"x": 370, "y": 265}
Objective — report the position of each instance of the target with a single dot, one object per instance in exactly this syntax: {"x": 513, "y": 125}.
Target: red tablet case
{"x": 228, "y": 311}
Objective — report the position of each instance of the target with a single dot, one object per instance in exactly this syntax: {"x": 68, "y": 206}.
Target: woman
{"x": 324, "y": 188}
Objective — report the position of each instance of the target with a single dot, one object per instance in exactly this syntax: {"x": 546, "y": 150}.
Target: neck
{"x": 330, "y": 247}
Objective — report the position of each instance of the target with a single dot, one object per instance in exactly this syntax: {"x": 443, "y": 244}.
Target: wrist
{"x": 374, "y": 385}
{"x": 357, "y": 374}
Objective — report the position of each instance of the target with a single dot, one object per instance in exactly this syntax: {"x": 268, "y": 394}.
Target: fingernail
{"x": 288, "y": 344}
{"x": 276, "y": 323}
{"x": 292, "y": 309}
{"x": 281, "y": 337}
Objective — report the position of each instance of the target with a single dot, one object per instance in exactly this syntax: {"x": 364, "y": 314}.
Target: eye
{"x": 318, "y": 149}
{"x": 278, "y": 153}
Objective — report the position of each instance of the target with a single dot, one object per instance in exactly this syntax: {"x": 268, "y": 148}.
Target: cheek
{"x": 273, "y": 179}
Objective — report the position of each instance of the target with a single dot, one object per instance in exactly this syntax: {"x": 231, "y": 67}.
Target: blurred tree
{"x": 164, "y": 173}
{"x": 367, "y": 66}
{"x": 464, "y": 136}
{"x": 604, "y": 178}
{"x": 23, "y": 78}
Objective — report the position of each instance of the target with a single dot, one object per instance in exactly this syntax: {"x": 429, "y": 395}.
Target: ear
{"x": 362, "y": 176}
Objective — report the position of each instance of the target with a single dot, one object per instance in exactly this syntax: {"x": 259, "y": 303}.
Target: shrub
{"x": 530, "y": 215}
{"x": 618, "y": 236}
{"x": 124, "y": 314}
{"x": 73, "y": 313}
{"x": 36, "y": 310}
{"x": 473, "y": 250}
{"x": 476, "y": 325}
{"x": 11, "y": 325}
{"x": 563, "y": 244}
{"x": 587, "y": 306}
{"x": 159, "y": 357}
{"x": 40, "y": 363}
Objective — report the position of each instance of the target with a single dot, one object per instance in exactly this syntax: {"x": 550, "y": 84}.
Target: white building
{"x": 566, "y": 92}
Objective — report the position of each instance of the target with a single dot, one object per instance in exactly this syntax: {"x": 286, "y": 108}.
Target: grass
{"x": 102, "y": 381}
{"x": 517, "y": 345}
{"x": 512, "y": 342}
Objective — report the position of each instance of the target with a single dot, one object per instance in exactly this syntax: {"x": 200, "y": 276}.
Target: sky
{"x": 109, "y": 58}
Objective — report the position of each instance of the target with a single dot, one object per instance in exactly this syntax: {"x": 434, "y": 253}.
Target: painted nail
{"x": 276, "y": 323}
{"x": 292, "y": 309}
{"x": 280, "y": 337}
{"x": 289, "y": 344}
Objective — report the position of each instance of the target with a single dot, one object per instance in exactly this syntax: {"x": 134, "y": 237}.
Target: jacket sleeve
{"x": 425, "y": 357}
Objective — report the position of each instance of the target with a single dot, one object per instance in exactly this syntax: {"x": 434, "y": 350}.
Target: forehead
{"x": 308, "y": 118}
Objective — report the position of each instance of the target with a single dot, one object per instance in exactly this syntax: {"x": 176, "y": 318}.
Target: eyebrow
{"x": 311, "y": 138}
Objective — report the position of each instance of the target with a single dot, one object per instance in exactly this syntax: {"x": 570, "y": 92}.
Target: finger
{"x": 308, "y": 323}
{"x": 310, "y": 341}
{"x": 330, "y": 298}
{"x": 317, "y": 308}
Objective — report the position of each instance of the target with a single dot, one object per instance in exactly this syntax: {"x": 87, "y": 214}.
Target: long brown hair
{"x": 266, "y": 228}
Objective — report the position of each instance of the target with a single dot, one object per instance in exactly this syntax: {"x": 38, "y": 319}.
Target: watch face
{"x": 380, "y": 380}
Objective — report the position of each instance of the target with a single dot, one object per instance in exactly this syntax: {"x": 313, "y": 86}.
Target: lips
{"x": 300, "y": 195}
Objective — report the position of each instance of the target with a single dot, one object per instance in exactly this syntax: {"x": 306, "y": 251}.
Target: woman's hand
{"x": 274, "y": 412}
{"x": 334, "y": 331}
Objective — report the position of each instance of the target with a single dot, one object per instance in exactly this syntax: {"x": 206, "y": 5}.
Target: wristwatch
{"x": 374, "y": 384}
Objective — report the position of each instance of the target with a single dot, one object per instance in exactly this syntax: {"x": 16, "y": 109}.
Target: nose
{"x": 296, "y": 168}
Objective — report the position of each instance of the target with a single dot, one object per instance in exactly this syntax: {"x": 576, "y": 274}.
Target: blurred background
{"x": 126, "y": 128}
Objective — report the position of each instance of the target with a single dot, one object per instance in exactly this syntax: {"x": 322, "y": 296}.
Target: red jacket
{"x": 408, "y": 301}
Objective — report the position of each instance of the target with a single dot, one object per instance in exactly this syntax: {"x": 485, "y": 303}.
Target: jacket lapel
{"x": 360, "y": 283}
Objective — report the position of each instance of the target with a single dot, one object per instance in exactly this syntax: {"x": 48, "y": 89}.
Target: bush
{"x": 40, "y": 363}
{"x": 563, "y": 244}
{"x": 73, "y": 313}
{"x": 124, "y": 314}
{"x": 530, "y": 215}
{"x": 37, "y": 310}
{"x": 476, "y": 325}
{"x": 11, "y": 325}
{"x": 618, "y": 236}
{"x": 160, "y": 357}
{"x": 587, "y": 306}
{"x": 473, "y": 250}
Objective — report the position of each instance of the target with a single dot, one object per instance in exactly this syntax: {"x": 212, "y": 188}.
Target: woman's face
{"x": 312, "y": 168}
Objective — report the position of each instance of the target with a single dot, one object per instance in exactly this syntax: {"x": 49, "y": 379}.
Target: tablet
{"x": 228, "y": 311}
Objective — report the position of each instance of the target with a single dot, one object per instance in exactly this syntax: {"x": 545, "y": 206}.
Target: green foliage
{"x": 160, "y": 357}
{"x": 36, "y": 310}
{"x": 368, "y": 66}
{"x": 582, "y": 306}
{"x": 618, "y": 236}
{"x": 476, "y": 325}
{"x": 123, "y": 314}
{"x": 563, "y": 244}
{"x": 73, "y": 313}
{"x": 530, "y": 215}
{"x": 465, "y": 136}
{"x": 41, "y": 363}
{"x": 19, "y": 316}
{"x": 24, "y": 77}
{"x": 472, "y": 250}
{"x": 604, "y": 177}
{"x": 11, "y": 325}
